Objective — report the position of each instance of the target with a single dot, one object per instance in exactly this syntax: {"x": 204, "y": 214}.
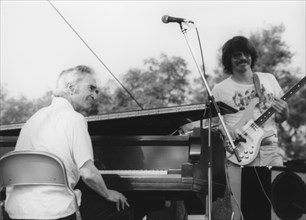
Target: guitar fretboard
{"x": 270, "y": 111}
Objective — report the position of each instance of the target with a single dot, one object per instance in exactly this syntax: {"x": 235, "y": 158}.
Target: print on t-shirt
{"x": 243, "y": 98}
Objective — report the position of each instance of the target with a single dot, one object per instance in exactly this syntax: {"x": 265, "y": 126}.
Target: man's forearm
{"x": 91, "y": 177}
{"x": 97, "y": 184}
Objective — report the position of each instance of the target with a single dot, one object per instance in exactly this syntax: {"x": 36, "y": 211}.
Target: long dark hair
{"x": 237, "y": 43}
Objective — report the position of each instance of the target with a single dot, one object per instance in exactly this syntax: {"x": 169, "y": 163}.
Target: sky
{"x": 37, "y": 44}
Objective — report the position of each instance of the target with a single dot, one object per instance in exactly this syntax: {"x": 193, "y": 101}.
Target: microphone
{"x": 167, "y": 19}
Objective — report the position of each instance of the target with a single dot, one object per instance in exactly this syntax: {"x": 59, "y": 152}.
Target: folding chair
{"x": 34, "y": 168}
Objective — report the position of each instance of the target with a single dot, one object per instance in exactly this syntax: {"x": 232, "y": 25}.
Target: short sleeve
{"x": 81, "y": 145}
{"x": 278, "y": 92}
{"x": 215, "y": 93}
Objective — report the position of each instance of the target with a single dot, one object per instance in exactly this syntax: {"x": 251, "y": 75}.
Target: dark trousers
{"x": 70, "y": 217}
{"x": 94, "y": 207}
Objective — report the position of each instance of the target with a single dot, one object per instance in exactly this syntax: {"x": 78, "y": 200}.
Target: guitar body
{"x": 252, "y": 134}
{"x": 252, "y": 131}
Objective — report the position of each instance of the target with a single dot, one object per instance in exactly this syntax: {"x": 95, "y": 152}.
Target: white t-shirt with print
{"x": 239, "y": 96}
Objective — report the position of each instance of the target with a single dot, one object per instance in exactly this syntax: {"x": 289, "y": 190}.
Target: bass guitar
{"x": 251, "y": 131}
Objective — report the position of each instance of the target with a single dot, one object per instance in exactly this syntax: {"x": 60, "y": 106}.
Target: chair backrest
{"x": 31, "y": 168}
{"x": 34, "y": 168}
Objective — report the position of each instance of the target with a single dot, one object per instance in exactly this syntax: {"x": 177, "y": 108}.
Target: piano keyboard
{"x": 135, "y": 172}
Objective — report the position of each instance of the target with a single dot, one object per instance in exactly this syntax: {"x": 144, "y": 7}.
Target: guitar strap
{"x": 257, "y": 86}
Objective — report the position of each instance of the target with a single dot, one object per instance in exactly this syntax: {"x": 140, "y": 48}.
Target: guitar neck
{"x": 270, "y": 111}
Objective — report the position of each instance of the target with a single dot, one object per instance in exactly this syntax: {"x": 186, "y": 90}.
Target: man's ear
{"x": 70, "y": 88}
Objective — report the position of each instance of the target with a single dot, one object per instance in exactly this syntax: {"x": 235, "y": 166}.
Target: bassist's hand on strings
{"x": 281, "y": 108}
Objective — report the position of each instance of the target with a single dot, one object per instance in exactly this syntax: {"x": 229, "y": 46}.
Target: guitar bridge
{"x": 229, "y": 148}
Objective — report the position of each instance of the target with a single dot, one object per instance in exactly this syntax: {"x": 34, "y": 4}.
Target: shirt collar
{"x": 62, "y": 101}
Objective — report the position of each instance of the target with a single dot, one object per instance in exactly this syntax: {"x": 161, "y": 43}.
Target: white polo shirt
{"x": 60, "y": 130}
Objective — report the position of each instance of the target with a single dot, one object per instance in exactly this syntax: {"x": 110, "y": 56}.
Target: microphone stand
{"x": 211, "y": 104}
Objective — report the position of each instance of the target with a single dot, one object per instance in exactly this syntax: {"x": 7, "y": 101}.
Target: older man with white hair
{"x": 61, "y": 129}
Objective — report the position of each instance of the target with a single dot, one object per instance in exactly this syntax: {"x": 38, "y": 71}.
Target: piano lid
{"x": 159, "y": 121}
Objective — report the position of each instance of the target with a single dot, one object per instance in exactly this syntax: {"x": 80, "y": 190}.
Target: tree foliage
{"x": 18, "y": 110}
{"x": 274, "y": 53}
{"x": 163, "y": 82}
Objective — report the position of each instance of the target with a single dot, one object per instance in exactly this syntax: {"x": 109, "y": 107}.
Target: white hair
{"x": 70, "y": 77}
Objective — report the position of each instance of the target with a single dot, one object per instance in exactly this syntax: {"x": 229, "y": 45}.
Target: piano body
{"x": 137, "y": 155}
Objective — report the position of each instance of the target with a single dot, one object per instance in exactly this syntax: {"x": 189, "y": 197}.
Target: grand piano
{"x": 143, "y": 154}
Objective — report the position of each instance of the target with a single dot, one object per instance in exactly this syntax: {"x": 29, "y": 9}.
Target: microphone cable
{"x": 261, "y": 186}
{"x": 201, "y": 51}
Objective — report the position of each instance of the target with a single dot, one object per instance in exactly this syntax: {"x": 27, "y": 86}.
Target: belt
{"x": 268, "y": 142}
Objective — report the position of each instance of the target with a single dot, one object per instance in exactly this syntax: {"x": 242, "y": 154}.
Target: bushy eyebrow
{"x": 93, "y": 88}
